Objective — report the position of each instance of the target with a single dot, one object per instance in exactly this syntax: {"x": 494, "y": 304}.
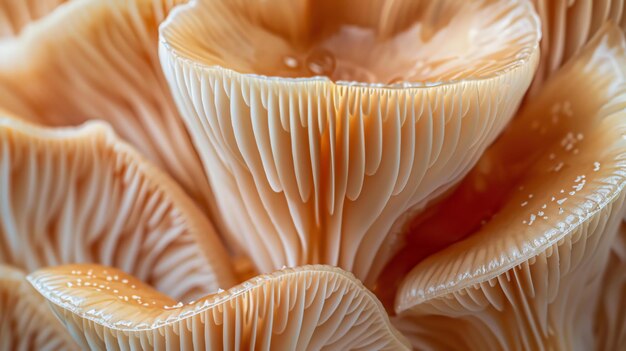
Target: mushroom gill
{"x": 530, "y": 277}
{"x": 324, "y": 125}
{"x": 306, "y": 308}
{"x": 567, "y": 25}
{"x": 611, "y": 327}
{"x": 70, "y": 195}
{"x": 93, "y": 59}
{"x": 26, "y": 322}
{"x": 17, "y": 14}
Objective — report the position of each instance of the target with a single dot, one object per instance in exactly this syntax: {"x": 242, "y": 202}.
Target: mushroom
{"x": 71, "y": 195}
{"x": 314, "y": 133}
{"x": 530, "y": 277}
{"x": 94, "y": 59}
{"x": 306, "y": 308}
{"x": 611, "y": 322}
{"x": 26, "y": 322}
{"x": 17, "y": 14}
{"x": 567, "y": 25}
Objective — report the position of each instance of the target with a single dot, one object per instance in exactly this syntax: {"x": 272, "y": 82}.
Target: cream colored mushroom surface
{"x": 567, "y": 25}
{"x": 323, "y": 126}
{"x": 17, "y": 14}
{"x": 93, "y": 59}
{"x": 71, "y": 195}
{"x": 306, "y": 308}
{"x": 530, "y": 278}
{"x": 26, "y": 322}
{"x": 611, "y": 327}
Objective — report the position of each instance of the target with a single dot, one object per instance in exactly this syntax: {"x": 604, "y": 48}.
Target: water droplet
{"x": 321, "y": 62}
{"x": 291, "y": 62}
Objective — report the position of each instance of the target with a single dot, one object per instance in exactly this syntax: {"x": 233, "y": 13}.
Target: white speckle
{"x": 524, "y": 203}
{"x": 560, "y": 202}
{"x": 532, "y": 219}
{"x": 544, "y": 206}
{"x": 558, "y": 167}
{"x": 596, "y": 166}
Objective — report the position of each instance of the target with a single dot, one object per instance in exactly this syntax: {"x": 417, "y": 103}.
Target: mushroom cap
{"x": 322, "y": 170}
{"x": 72, "y": 195}
{"x": 312, "y": 307}
{"x": 567, "y": 25}
{"x": 528, "y": 278}
{"x": 26, "y": 323}
{"x": 17, "y": 14}
{"x": 93, "y": 59}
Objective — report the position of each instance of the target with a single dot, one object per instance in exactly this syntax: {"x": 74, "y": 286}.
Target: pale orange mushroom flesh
{"x": 339, "y": 125}
{"x": 15, "y": 15}
{"x": 500, "y": 174}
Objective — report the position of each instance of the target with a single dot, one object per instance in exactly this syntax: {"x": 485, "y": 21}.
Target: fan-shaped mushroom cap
{"x": 306, "y": 308}
{"x": 319, "y": 170}
{"x": 94, "y": 59}
{"x": 16, "y": 14}
{"x": 72, "y": 195}
{"x": 26, "y": 323}
{"x": 567, "y": 25}
{"x": 529, "y": 278}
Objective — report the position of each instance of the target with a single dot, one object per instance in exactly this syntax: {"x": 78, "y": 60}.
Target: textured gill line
{"x": 601, "y": 64}
{"x": 543, "y": 303}
{"x": 567, "y": 26}
{"x": 246, "y": 148}
{"x": 328, "y": 198}
{"x": 137, "y": 105}
{"x": 26, "y": 323}
{"x": 611, "y": 329}
{"x": 306, "y": 308}
{"x": 52, "y": 213}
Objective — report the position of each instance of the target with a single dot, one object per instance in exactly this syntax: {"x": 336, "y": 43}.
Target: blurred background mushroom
{"x": 17, "y": 14}
{"x": 71, "y": 195}
{"x": 93, "y": 59}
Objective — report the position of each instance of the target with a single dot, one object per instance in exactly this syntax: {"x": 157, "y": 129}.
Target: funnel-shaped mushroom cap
{"x": 26, "y": 323}
{"x": 611, "y": 327}
{"x": 16, "y": 14}
{"x": 94, "y": 59}
{"x": 80, "y": 195}
{"x": 567, "y": 25}
{"x": 307, "y": 308}
{"x": 309, "y": 167}
{"x": 529, "y": 278}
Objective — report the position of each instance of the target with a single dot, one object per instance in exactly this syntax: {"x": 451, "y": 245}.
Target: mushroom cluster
{"x": 312, "y": 175}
